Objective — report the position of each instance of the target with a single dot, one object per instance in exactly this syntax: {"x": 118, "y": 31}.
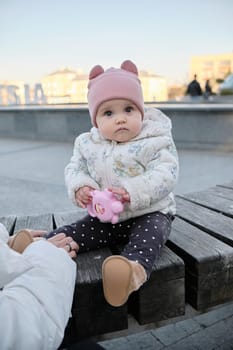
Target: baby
{"x": 130, "y": 152}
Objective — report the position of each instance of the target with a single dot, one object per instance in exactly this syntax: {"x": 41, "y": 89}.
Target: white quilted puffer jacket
{"x": 147, "y": 166}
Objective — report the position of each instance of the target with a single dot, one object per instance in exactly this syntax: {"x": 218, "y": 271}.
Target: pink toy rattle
{"x": 105, "y": 206}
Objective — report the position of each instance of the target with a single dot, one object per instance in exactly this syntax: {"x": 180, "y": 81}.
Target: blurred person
{"x": 208, "y": 90}
{"x": 131, "y": 152}
{"x": 194, "y": 88}
{"x": 36, "y": 289}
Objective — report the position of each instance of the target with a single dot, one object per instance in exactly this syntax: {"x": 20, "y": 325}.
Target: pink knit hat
{"x": 114, "y": 83}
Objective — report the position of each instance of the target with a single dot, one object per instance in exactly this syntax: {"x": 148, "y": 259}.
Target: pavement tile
{"x": 217, "y": 336}
{"x": 174, "y": 332}
{"x": 139, "y": 341}
{"x": 191, "y": 334}
{"x": 214, "y": 316}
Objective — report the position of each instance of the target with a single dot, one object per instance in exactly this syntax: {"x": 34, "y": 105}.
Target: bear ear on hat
{"x": 95, "y": 71}
{"x": 129, "y": 66}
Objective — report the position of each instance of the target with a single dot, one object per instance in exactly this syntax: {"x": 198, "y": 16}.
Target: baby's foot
{"x": 20, "y": 241}
{"x": 120, "y": 278}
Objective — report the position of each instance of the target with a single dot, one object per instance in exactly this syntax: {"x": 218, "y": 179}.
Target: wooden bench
{"x": 195, "y": 267}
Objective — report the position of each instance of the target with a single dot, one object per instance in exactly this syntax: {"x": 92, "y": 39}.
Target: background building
{"x": 12, "y": 92}
{"x": 79, "y": 89}
{"x": 70, "y": 86}
{"x": 57, "y": 86}
{"x": 154, "y": 87}
{"x": 176, "y": 92}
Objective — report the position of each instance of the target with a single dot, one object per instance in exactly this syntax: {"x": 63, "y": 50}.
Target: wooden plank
{"x": 212, "y": 201}
{"x": 163, "y": 295}
{"x": 68, "y": 217}
{"x": 36, "y": 222}
{"x": 227, "y": 185}
{"x": 8, "y": 222}
{"x": 208, "y": 265}
{"x": 92, "y": 314}
{"x": 221, "y": 192}
{"x": 216, "y": 224}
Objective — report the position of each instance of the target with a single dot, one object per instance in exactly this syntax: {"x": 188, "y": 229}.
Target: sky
{"x": 39, "y": 37}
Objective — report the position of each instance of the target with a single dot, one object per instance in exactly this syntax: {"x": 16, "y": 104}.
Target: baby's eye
{"x": 128, "y": 109}
{"x": 108, "y": 113}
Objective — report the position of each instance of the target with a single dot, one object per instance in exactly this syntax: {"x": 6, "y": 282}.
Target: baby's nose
{"x": 120, "y": 119}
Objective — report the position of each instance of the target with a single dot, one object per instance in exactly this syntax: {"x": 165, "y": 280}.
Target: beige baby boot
{"x": 120, "y": 278}
{"x": 20, "y": 240}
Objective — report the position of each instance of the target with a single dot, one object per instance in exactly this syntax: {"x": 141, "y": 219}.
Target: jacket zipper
{"x": 108, "y": 164}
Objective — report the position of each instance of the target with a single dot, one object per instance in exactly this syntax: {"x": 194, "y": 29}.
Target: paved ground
{"x": 31, "y": 182}
{"x": 210, "y": 331}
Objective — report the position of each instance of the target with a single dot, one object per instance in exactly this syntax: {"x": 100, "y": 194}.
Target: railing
{"x": 195, "y": 125}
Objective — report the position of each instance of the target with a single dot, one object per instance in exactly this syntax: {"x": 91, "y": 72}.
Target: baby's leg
{"x": 125, "y": 273}
{"x": 89, "y": 233}
{"x": 148, "y": 235}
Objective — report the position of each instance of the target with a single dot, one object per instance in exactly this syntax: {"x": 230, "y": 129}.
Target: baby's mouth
{"x": 121, "y": 129}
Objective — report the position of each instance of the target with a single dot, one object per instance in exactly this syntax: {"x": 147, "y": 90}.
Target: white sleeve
{"x": 76, "y": 172}
{"x": 38, "y": 302}
{"x": 12, "y": 264}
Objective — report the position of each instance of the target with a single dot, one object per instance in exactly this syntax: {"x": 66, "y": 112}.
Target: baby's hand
{"x": 120, "y": 193}
{"x": 83, "y": 196}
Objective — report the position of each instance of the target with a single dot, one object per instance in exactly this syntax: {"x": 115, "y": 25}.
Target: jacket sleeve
{"x": 12, "y": 264}
{"x": 159, "y": 178}
{"x": 76, "y": 172}
{"x": 35, "y": 306}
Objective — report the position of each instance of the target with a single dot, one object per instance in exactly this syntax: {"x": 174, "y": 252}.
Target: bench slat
{"x": 163, "y": 295}
{"x": 217, "y": 225}
{"x": 211, "y": 201}
{"x": 36, "y": 222}
{"x": 8, "y": 222}
{"x": 221, "y": 192}
{"x": 68, "y": 217}
{"x": 208, "y": 264}
{"x": 227, "y": 185}
{"x": 92, "y": 314}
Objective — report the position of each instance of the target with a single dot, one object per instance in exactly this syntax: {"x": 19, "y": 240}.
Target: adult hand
{"x": 62, "y": 241}
{"x": 37, "y": 233}
{"x": 83, "y": 196}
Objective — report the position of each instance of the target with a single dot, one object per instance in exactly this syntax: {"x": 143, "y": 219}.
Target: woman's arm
{"x": 35, "y": 306}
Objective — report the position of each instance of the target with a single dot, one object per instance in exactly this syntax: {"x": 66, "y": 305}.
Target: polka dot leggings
{"x": 141, "y": 237}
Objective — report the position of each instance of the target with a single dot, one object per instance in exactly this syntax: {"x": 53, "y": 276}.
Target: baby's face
{"x": 119, "y": 120}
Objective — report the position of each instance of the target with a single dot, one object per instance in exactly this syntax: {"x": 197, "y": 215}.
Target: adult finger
{"x": 72, "y": 244}
{"x": 37, "y": 233}
{"x": 71, "y": 248}
{"x": 73, "y": 254}
{"x": 58, "y": 239}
